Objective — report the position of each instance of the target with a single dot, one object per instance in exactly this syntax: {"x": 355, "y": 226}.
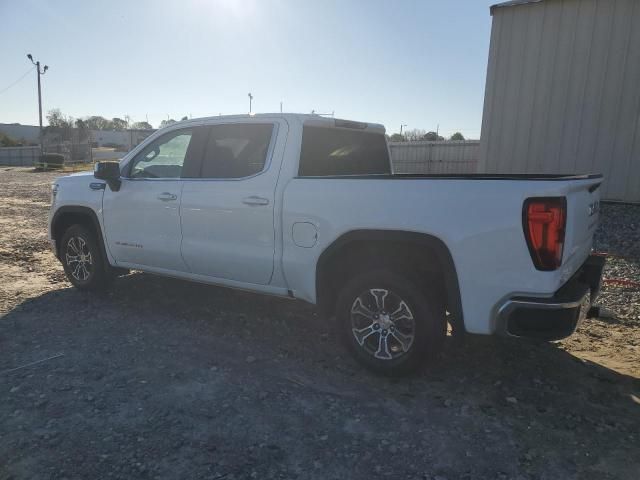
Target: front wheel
{"x": 81, "y": 257}
{"x": 389, "y": 323}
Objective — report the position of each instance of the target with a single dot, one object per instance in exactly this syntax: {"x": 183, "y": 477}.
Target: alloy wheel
{"x": 382, "y": 323}
{"x": 78, "y": 258}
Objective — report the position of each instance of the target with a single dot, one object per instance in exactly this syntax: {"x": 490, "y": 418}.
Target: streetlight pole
{"x": 250, "y": 98}
{"x": 401, "y": 127}
{"x": 39, "y": 73}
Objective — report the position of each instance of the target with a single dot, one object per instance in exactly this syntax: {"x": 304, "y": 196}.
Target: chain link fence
{"x": 435, "y": 157}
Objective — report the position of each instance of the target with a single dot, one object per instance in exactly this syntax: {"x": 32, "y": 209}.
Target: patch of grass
{"x": 78, "y": 167}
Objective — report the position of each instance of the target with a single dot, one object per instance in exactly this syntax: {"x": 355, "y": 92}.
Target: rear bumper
{"x": 556, "y": 317}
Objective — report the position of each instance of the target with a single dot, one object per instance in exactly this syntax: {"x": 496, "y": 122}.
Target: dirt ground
{"x": 160, "y": 378}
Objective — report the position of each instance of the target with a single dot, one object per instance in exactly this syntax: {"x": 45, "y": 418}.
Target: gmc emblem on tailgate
{"x": 593, "y": 208}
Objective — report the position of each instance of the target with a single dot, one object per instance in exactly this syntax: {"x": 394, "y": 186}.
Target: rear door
{"x": 228, "y": 210}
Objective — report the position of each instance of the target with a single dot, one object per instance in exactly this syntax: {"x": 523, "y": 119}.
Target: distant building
{"x": 563, "y": 91}
{"x": 126, "y": 139}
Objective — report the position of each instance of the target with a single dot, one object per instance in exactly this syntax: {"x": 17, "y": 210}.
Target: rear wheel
{"x": 81, "y": 257}
{"x": 389, "y": 323}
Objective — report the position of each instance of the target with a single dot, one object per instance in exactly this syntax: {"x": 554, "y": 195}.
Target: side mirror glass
{"x": 109, "y": 172}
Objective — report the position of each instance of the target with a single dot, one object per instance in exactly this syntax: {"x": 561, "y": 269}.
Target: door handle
{"x": 255, "y": 201}
{"x": 167, "y": 197}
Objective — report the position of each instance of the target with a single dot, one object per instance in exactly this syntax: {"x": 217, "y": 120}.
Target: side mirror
{"x": 109, "y": 172}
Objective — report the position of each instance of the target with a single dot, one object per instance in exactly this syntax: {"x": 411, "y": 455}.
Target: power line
{"x": 25, "y": 74}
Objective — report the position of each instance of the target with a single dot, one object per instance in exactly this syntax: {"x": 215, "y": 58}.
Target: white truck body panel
{"x": 488, "y": 248}
{"x": 134, "y": 217}
{"x": 228, "y": 224}
{"x": 265, "y": 233}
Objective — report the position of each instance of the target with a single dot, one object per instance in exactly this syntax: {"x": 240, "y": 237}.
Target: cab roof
{"x": 303, "y": 118}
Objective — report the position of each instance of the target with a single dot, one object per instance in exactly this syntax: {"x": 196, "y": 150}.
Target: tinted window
{"x": 336, "y": 151}
{"x": 193, "y": 162}
{"x": 162, "y": 158}
{"x": 236, "y": 151}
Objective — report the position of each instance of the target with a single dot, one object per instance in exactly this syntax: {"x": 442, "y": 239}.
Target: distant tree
{"x": 396, "y": 137}
{"x": 457, "y": 136}
{"x": 60, "y": 126}
{"x": 57, "y": 119}
{"x": 414, "y": 135}
{"x": 184, "y": 118}
{"x": 7, "y": 141}
{"x": 97, "y": 122}
{"x": 142, "y": 126}
{"x": 83, "y": 129}
{"x": 166, "y": 123}
{"x": 432, "y": 137}
{"x": 119, "y": 124}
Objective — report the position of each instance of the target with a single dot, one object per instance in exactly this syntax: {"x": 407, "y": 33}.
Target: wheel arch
{"x": 428, "y": 247}
{"x": 69, "y": 215}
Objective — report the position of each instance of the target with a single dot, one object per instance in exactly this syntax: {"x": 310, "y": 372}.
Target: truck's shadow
{"x": 188, "y": 353}
{"x": 270, "y": 326}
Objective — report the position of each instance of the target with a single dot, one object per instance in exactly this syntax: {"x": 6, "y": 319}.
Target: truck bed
{"x": 465, "y": 176}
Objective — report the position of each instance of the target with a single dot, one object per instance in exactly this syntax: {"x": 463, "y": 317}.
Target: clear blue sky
{"x": 419, "y": 63}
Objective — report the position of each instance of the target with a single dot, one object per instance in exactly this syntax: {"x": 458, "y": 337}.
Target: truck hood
{"x": 81, "y": 174}
{"x": 76, "y": 177}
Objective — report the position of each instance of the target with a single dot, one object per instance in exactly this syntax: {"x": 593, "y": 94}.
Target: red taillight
{"x": 544, "y": 221}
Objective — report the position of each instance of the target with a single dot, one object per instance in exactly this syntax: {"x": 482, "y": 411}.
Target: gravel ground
{"x": 159, "y": 378}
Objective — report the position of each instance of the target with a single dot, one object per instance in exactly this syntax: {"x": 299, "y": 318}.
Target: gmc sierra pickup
{"x": 307, "y": 207}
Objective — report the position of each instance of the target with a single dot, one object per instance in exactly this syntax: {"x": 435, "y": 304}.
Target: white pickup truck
{"x": 309, "y": 208}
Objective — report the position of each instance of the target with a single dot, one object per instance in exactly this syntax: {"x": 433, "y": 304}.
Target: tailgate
{"x": 583, "y": 214}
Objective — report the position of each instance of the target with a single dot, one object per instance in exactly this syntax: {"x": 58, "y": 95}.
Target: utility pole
{"x": 250, "y": 98}
{"x": 39, "y": 73}
{"x": 281, "y": 106}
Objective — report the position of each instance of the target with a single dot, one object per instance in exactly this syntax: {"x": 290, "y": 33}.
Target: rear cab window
{"x": 332, "y": 151}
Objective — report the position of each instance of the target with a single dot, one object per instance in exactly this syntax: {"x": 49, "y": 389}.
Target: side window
{"x": 236, "y": 150}
{"x": 162, "y": 158}
{"x": 342, "y": 151}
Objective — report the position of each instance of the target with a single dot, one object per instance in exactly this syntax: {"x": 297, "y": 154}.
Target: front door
{"x": 142, "y": 219}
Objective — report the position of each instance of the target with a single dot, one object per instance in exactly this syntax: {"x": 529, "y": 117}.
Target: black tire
{"x": 83, "y": 260}
{"x": 424, "y": 311}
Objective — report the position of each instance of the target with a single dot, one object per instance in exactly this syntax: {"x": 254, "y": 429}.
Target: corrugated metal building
{"x": 563, "y": 91}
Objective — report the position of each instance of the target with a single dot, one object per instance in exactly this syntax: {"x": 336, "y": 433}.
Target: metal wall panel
{"x": 563, "y": 92}
{"x": 19, "y": 156}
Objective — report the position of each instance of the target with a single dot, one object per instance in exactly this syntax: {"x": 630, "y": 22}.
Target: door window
{"x": 236, "y": 150}
{"x": 164, "y": 157}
